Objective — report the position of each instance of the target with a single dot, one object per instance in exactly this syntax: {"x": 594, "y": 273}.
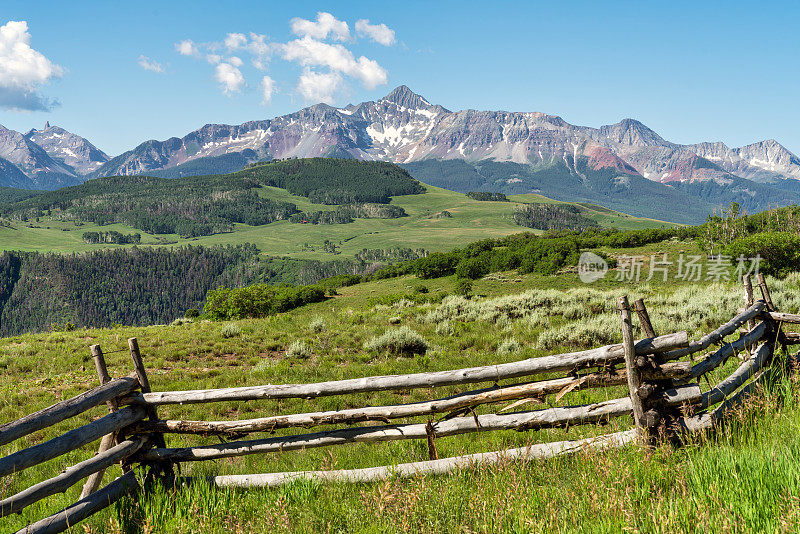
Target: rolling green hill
{"x": 216, "y": 210}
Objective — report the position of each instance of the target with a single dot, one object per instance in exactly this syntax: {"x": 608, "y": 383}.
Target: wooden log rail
{"x": 70, "y": 477}
{"x": 719, "y": 334}
{"x": 548, "y": 418}
{"x": 742, "y": 374}
{"x": 570, "y": 362}
{"x": 86, "y": 507}
{"x": 791, "y": 318}
{"x": 679, "y": 370}
{"x": 74, "y": 439}
{"x": 538, "y": 451}
{"x": 715, "y": 359}
{"x": 706, "y": 420}
{"x": 66, "y": 409}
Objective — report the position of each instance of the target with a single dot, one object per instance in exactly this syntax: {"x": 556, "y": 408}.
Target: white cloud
{"x": 23, "y": 70}
{"x": 187, "y": 48}
{"x": 325, "y": 25}
{"x": 235, "y": 41}
{"x": 149, "y": 64}
{"x": 229, "y": 77}
{"x": 261, "y": 50}
{"x": 326, "y": 64}
{"x": 310, "y": 52}
{"x": 380, "y": 33}
{"x": 267, "y": 89}
{"x": 319, "y": 87}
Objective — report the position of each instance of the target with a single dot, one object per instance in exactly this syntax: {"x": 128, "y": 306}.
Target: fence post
{"x": 144, "y": 383}
{"x": 765, "y": 291}
{"x": 634, "y": 378}
{"x": 96, "y": 479}
{"x": 644, "y": 318}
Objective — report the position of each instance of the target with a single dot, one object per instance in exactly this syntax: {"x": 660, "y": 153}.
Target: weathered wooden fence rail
{"x": 664, "y": 397}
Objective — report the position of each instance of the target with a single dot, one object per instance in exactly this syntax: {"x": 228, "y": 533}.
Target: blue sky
{"x": 726, "y": 71}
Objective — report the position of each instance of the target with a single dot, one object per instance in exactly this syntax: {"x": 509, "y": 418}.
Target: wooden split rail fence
{"x": 664, "y": 397}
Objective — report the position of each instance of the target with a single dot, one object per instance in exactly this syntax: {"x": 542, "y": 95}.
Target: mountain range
{"x": 624, "y": 165}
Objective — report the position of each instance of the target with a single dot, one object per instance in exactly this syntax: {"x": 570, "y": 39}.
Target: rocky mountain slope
{"x": 405, "y": 128}
{"x": 68, "y": 148}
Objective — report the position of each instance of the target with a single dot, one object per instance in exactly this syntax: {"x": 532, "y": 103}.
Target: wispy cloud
{"x": 267, "y": 89}
{"x": 235, "y": 41}
{"x": 326, "y": 65}
{"x": 310, "y": 52}
{"x": 187, "y": 47}
{"x": 149, "y": 64}
{"x": 229, "y": 77}
{"x": 325, "y": 25}
{"x": 318, "y": 86}
{"x": 380, "y": 33}
{"x": 23, "y": 70}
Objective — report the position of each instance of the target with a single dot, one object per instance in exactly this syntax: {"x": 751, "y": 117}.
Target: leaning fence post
{"x": 765, "y": 291}
{"x": 144, "y": 383}
{"x": 634, "y": 378}
{"x": 96, "y": 479}
{"x": 644, "y": 318}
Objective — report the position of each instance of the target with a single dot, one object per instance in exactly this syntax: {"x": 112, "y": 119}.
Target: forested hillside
{"x": 125, "y": 286}
{"x": 143, "y": 285}
{"x": 336, "y": 181}
{"x": 205, "y": 205}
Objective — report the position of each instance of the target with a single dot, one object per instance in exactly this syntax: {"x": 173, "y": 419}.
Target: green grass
{"x": 744, "y": 480}
{"x": 471, "y": 220}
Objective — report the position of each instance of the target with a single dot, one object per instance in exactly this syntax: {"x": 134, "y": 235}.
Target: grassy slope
{"x": 472, "y": 220}
{"x": 746, "y": 480}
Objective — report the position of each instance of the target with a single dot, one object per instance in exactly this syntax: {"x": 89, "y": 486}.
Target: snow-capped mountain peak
{"x": 68, "y": 148}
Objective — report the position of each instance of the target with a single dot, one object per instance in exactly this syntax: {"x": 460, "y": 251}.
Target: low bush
{"x": 508, "y": 347}
{"x": 400, "y": 341}
{"x": 463, "y": 288}
{"x": 779, "y": 251}
{"x": 230, "y": 330}
{"x": 259, "y": 300}
{"x": 298, "y": 349}
{"x": 317, "y": 325}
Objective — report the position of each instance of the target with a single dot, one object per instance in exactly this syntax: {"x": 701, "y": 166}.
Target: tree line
{"x": 203, "y": 205}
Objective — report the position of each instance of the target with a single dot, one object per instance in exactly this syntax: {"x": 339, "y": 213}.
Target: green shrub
{"x": 508, "y": 347}
{"x": 182, "y": 321}
{"x": 192, "y": 313}
{"x": 463, "y": 288}
{"x": 474, "y": 268}
{"x": 779, "y": 251}
{"x": 259, "y": 300}
{"x": 400, "y": 341}
{"x": 230, "y": 330}
{"x": 298, "y": 349}
{"x": 317, "y": 325}
{"x": 436, "y": 265}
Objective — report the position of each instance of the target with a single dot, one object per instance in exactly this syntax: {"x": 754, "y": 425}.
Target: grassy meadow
{"x": 744, "y": 479}
{"x": 470, "y": 220}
